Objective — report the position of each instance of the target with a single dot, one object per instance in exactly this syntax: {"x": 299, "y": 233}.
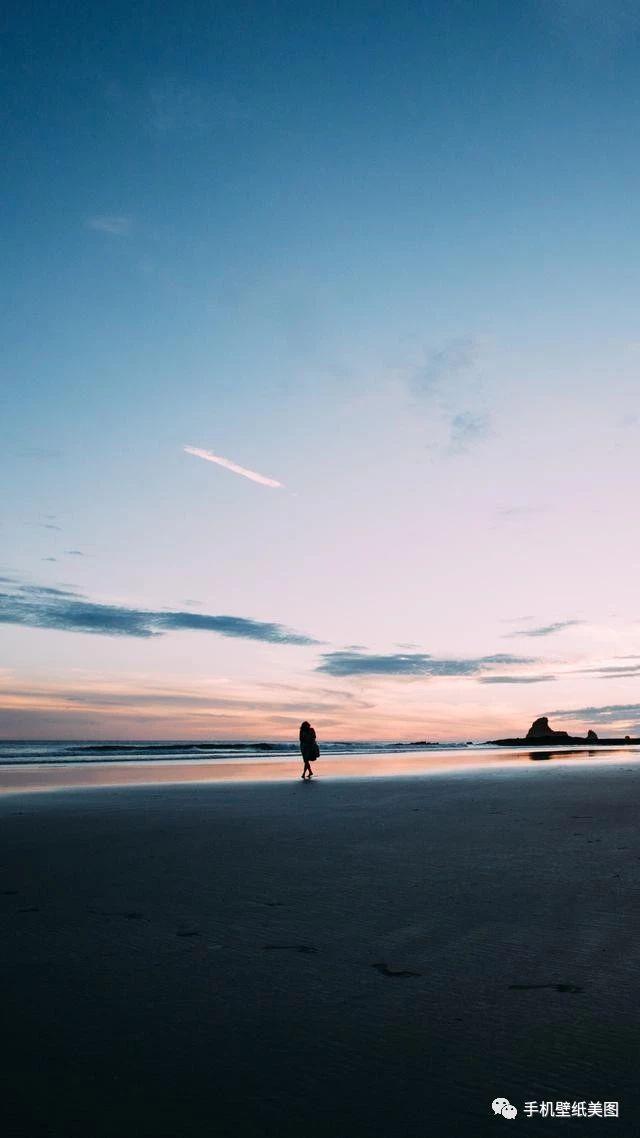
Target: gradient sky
{"x": 383, "y": 261}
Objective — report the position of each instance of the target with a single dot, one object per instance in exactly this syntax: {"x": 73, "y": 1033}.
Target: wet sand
{"x": 52, "y": 775}
{"x": 355, "y": 957}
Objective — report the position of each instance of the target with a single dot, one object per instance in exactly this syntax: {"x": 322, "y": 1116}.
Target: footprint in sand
{"x": 555, "y": 987}
{"x": 291, "y": 947}
{"x": 129, "y": 914}
{"x": 387, "y": 971}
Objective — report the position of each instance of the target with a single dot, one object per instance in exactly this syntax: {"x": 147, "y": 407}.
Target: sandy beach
{"x": 356, "y": 957}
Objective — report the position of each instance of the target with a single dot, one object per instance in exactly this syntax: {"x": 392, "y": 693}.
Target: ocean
{"x": 73, "y": 751}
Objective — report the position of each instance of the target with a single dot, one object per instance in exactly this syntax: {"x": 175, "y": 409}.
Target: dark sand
{"x": 341, "y": 959}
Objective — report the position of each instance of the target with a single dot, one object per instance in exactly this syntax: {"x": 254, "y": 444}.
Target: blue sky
{"x": 386, "y": 258}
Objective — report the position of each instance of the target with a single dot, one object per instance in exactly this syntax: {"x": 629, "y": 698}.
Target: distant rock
{"x": 540, "y": 734}
{"x": 541, "y": 731}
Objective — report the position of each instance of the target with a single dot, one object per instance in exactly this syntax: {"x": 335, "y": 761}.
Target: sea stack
{"x": 540, "y": 734}
{"x": 540, "y": 731}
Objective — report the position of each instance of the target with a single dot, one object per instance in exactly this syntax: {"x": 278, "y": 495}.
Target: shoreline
{"x": 55, "y": 775}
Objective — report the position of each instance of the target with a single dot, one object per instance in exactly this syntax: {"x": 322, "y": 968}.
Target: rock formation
{"x": 541, "y": 731}
{"x": 540, "y": 734}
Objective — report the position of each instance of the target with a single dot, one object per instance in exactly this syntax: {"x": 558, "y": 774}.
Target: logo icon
{"x": 503, "y": 1106}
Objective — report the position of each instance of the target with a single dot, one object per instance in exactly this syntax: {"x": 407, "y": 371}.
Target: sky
{"x": 321, "y": 358}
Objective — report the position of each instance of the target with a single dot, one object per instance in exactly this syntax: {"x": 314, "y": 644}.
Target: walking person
{"x": 309, "y": 748}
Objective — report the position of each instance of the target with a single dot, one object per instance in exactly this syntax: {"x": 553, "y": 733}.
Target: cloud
{"x": 515, "y": 679}
{"x": 467, "y": 428}
{"x": 229, "y": 626}
{"x": 209, "y": 457}
{"x": 40, "y": 607}
{"x": 609, "y": 713}
{"x": 140, "y": 707}
{"x": 452, "y": 360}
{"x": 45, "y": 591}
{"x": 547, "y": 629}
{"x": 161, "y": 698}
{"x": 109, "y": 223}
{"x": 449, "y": 380}
{"x": 410, "y": 664}
{"x": 609, "y": 671}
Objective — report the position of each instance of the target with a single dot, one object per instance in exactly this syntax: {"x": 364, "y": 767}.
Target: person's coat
{"x": 308, "y": 745}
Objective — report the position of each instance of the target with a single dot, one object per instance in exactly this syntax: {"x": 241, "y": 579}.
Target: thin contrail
{"x": 209, "y": 457}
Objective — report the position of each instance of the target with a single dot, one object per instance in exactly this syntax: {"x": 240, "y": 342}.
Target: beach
{"x": 348, "y": 957}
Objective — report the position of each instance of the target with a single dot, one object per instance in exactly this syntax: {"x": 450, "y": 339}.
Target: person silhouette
{"x": 308, "y": 747}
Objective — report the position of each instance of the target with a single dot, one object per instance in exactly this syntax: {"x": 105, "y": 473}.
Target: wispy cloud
{"x": 515, "y": 679}
{"x": 160, "y": 698}
{"x": 141, "y": 707}
{"x": 41, "y": 607}
{"x": 609, "y": 671}
{"x": 448, "y": 380}
{"x": 208, "y": 456}
{"x": 546, "y": 629}
{"x": 445, "y": 364}
{"x": 116, "y": 225}
{"x": 608, "y": 713}
{"x": 467, "y": 428}
{"x": 411, "y": 664}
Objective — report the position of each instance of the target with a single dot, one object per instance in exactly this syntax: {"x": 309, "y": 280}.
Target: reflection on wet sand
{"x": 583, "y": 753}
{"x": 33, "y": 777}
